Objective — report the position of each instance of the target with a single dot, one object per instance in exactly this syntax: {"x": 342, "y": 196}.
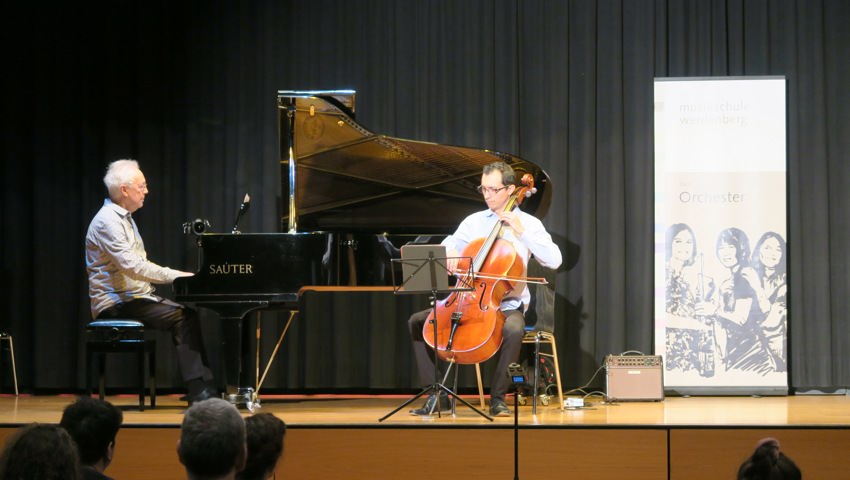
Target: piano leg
{"x": 232, "y": 342}
{"x": 235, "y": 343}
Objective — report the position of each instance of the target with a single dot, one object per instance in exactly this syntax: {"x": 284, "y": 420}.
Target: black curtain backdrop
{"x": 189, "y": 89}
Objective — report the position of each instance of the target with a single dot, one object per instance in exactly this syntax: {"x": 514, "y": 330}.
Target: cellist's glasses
{"x": 491, "y": 190}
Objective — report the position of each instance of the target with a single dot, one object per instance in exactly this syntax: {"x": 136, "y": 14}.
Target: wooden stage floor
{"x": 341, "y": 437}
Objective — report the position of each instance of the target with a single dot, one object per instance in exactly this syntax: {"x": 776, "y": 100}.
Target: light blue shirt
{"x": 117, "y": 264}
{"x": 535, "y": 240}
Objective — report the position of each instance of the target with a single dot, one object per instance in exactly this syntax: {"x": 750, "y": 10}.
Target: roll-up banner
{"x": 721, "y": 320}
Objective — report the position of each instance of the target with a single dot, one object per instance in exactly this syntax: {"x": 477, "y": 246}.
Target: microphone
{"x": 246, "y": 204}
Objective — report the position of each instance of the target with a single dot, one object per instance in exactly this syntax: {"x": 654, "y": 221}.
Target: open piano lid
{"x": 338, "y": 176}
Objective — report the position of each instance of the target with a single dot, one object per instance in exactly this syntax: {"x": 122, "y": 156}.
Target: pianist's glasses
{"x": 492, "y": 191}
{"x": 143, "y": 187}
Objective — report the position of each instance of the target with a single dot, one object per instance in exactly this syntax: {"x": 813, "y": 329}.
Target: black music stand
{"x": 431, "y": 280}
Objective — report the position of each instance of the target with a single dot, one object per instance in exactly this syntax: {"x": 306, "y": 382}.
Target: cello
{"x": 469, "y": 322}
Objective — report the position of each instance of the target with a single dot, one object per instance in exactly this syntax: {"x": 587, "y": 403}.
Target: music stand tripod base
{"x": 414, "y": 277}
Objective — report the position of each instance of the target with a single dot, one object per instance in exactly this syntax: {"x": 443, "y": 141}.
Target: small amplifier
{"x": 634, "y": 378}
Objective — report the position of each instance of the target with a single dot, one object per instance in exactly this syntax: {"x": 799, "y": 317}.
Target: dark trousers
{"x": 512, "y": 334}
{"x": 181, "y": 321}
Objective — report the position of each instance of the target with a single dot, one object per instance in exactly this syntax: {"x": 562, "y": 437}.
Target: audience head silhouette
{"x": 265, "y": 446}
{"x": 93, "y": 424}
{"x": 768, "y": 463}
{"x": 45, "y": 452}
{"x": 212, "y": 440}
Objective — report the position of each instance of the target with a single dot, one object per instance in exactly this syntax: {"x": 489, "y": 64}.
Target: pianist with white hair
{"x": 120, "y": 277}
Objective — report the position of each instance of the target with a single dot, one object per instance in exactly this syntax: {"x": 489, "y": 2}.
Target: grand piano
{"x": 350, "y": 198}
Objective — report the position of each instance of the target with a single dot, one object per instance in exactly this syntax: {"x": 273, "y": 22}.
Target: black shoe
{"x": 185, "y": 398}
{"x": 499, "y": 409}
{"x": 430, "y": 408}
{"x": 204, "y": 394}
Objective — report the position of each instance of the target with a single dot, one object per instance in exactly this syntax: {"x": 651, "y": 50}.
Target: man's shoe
{"x": 429, "y": 407}
{"x": 204, "y": 394}
{"x": 499, "y": 409}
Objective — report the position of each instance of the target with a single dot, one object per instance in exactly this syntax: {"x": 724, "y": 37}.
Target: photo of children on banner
{"x": 740, "y": 326}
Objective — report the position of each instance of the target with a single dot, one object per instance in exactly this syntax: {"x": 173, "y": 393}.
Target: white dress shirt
{"x": 535, "y": 240}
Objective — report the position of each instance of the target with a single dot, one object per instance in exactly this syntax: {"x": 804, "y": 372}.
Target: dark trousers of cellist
{"x": 527, "y": 235}
{"x": 509, "y": 352}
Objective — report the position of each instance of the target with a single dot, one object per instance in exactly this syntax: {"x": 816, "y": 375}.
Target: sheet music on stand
{"x": 416, "y": 269}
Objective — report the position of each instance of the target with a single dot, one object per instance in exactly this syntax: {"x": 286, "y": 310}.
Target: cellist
{"x": 529, "y": 237}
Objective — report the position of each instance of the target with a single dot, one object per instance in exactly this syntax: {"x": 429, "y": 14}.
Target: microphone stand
{"x": 519, "y": 384}
{"x": 516, "y": 435}
{"x": 246, "y": 204}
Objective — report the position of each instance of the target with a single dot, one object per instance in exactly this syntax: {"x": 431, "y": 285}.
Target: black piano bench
{"x": 121, "y": 336}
